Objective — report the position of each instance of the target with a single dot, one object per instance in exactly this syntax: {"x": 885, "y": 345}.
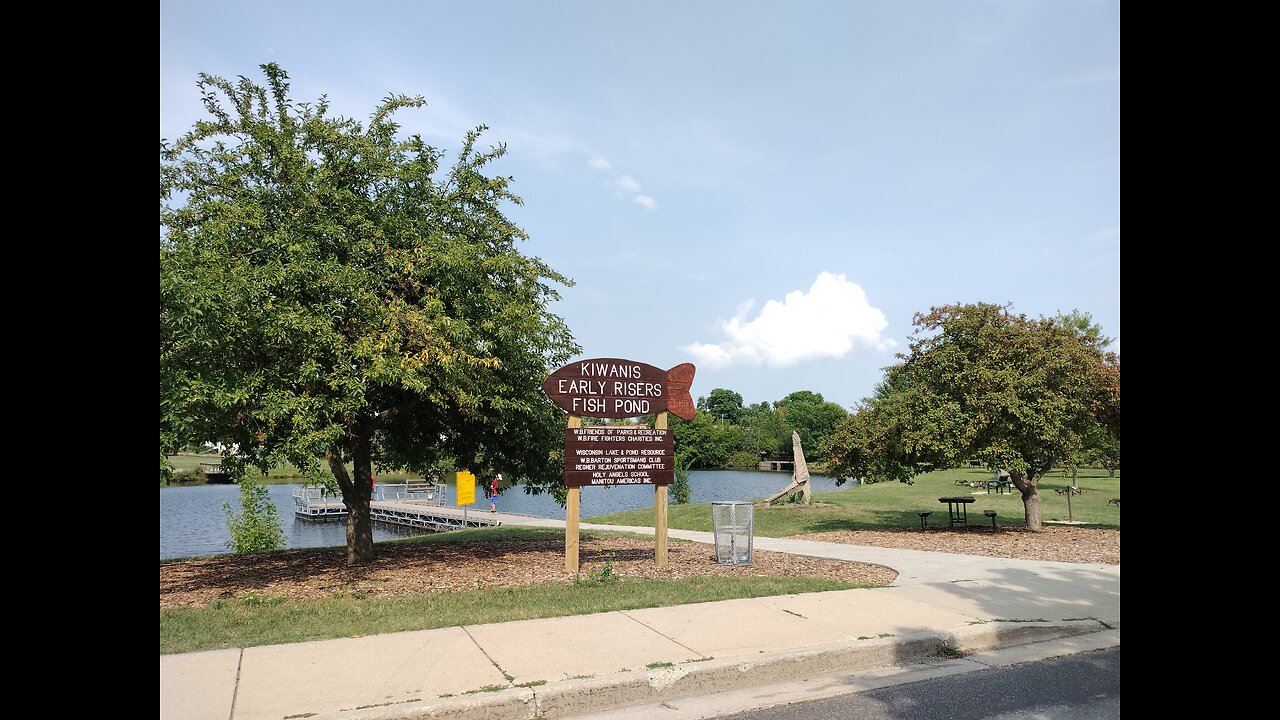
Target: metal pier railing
{"x": 415, "y": 504}
{"x": 313, "y": 502}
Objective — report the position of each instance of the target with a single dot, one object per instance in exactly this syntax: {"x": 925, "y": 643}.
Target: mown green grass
{"x": 281, "y": 474}
{"x": 268, "y": 620}
{"x": 261, "y": 619}
{"x": 895, "y": 505}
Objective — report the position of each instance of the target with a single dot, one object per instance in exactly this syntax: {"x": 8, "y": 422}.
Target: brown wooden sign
{"x": 603, "y": 455}
{"x": 612, "y": 455}
{"x": 615, "y": 388}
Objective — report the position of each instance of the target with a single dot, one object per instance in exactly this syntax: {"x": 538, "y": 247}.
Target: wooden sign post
{"x": 619, "y": 455}
{"x": 571, "y": 511}
{"x": 660, "y": 506}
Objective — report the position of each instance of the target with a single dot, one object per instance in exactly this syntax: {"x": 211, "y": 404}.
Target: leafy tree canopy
{"x": 765, "y": 430}
{"x": 812, "y": 417}
{"x": 333, "y": 291}
{"x": 1083, "y": 325}
{"x": 723, "y": 405}
{"x": 983, "y": 383}
{"x": 704, "y": 441}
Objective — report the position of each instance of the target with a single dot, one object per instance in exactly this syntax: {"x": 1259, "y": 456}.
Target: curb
{"x": 617, "y": 690}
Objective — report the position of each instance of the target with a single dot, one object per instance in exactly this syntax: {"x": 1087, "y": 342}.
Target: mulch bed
{"x": 409, "y": 569}
{"x": 400, "y": 570}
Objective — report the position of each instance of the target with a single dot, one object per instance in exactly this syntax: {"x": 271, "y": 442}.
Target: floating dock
{"x": 409, "y": 505}
{"x": 214, "y": 474}
{"x": 415, "y": 513}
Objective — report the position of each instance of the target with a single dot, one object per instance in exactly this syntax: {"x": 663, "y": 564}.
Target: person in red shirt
{"x": 493, "y": 493}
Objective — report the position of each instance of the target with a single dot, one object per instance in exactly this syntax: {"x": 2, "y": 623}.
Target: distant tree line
{"x": 728, "y": 434}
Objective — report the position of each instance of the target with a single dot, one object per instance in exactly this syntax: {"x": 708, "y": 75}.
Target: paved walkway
{"x": 557, "y": 667}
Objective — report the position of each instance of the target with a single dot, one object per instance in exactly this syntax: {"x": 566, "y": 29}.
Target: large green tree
{"x": 812, "y": 417}
{"x": 765, "y": 431}
{"x": 1101, "y": 442}
{"x": 981, "y": 382}
{"x": 330, "y": 294}
{"x": 1102, "y": 448}
{"x": 723, "y": 404}
{"x": 704, "y": 441}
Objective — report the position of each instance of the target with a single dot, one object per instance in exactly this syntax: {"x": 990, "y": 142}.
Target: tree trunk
{"x": 1030, "y": 497}
{"x": 356, "y": 490}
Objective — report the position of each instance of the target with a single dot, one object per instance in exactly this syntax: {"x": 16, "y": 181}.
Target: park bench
{"x": 424, "y": 490}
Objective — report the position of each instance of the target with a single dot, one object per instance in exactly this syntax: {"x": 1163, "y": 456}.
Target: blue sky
{"x": 769, "y": 190}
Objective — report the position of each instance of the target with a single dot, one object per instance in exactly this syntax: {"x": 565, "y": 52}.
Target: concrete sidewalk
{"x": 559, "y": 667}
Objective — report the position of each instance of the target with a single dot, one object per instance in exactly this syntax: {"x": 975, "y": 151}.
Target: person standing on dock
{"x": 493, "y": 492}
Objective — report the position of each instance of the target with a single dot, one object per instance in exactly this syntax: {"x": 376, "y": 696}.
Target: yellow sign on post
{"x": 466, "y": 488}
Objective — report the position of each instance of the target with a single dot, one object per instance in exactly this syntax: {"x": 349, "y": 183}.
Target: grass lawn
{"x": 282, "y": 474}
{"x": 894, "y": 505}
{"x": 257, "y": 619}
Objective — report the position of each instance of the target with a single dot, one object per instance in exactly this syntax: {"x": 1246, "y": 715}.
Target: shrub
{"x": 166, "y": 470}
{"x": 257, "y": 528}
{"x": 680, "y": 484}
{"x": 194, "y": 475}
{"x": 743, "y": 459}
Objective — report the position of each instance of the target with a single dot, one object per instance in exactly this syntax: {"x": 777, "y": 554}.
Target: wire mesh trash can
{"x": 731, "y": 523}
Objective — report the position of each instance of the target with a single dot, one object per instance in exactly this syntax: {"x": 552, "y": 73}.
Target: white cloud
{"x": 626, "y": 185}
{"x": 828, "y": 321}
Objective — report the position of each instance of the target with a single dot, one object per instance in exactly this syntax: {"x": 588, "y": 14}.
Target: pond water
{"x": 192, "y": 521}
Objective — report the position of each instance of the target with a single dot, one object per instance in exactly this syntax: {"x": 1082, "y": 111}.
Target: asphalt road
{"x": 1076, "y": 687}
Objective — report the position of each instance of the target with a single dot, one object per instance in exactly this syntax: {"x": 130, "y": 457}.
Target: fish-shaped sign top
{"x": 614, "y": 388}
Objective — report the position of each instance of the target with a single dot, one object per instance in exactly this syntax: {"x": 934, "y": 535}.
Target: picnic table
{"x": 957, "y": 509}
